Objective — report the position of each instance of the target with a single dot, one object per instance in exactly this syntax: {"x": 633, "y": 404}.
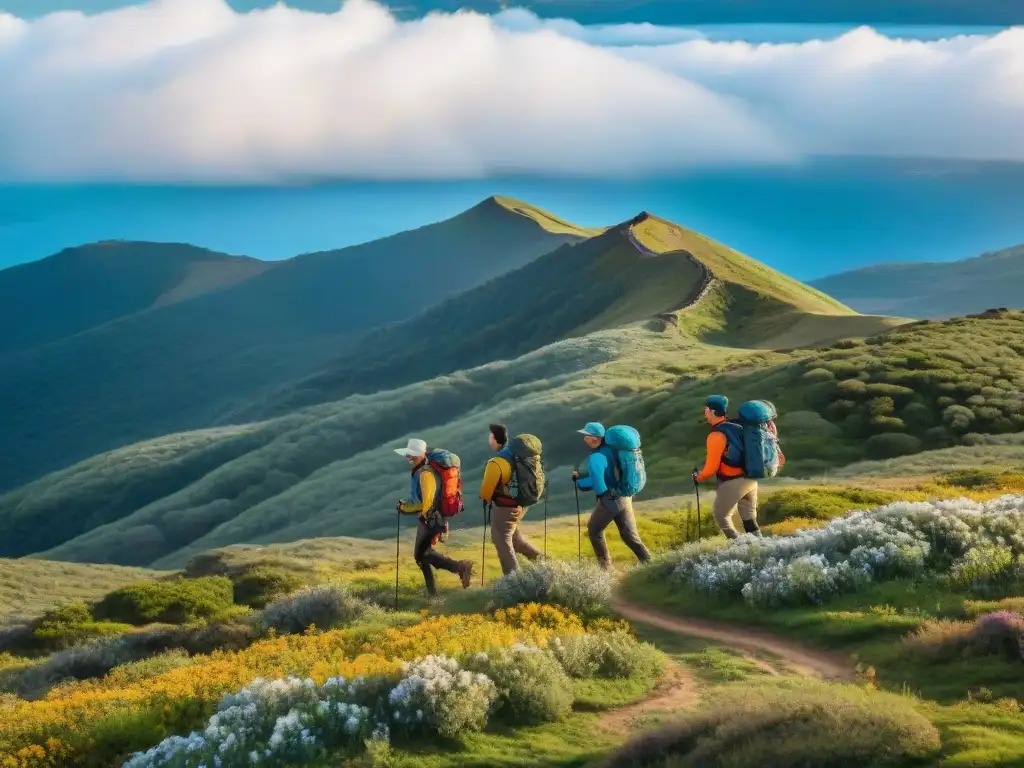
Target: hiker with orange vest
{"x": 434, "y": 502}
{"x": 738, "y": 453}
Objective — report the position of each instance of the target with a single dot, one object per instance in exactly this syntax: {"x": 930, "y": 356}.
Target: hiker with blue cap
{"x": 739, "y": 452}
{"x": 616, "y": 473}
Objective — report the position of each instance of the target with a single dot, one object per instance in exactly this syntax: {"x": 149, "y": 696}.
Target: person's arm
{"x": 428, "y": 487}
{"x": 597, "y": 467}
{"x": 716, "y": 447}
{"x": 492, "y": 476}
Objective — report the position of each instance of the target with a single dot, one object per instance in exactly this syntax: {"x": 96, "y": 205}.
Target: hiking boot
{"x": 750, "y": 526}
{"x": 466, "y": 573}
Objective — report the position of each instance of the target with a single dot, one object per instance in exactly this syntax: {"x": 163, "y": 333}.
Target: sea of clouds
{"x": 177, "y": 90}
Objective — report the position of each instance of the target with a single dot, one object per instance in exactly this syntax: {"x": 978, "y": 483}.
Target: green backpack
{"x": 528, "y": 481}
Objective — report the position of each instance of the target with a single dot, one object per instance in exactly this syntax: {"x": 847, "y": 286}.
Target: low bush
{"x": 134, "y": 671}
{"x": 583, "y": 589}
{"x": 957, "y": 538}
{"x": 889, "y": 445}
{"x": 786, "y": 725}
{"x": 1000, "y": 633}
{"x": 324, "y": 606}
{"x": 607, "y": 654}
{"x": 260, "y": 586}
{"x": 47, "y": 637}
{"x": 818, "y": 503}
{"x": 176, "y": 601}
{"x": 532, "y": 686}
{"x": 82, "y": 662}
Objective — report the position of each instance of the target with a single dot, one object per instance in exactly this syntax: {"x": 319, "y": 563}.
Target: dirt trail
{"x": 804, "y": 661}
{"x": 677, "y": 690}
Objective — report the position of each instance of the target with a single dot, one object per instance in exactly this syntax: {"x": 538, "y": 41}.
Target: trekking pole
{"x": 483, "y": 544}
{"x": 398, "y": 535}
{"x": 696, "y": 490}
{"x": 545, "y": 523}
{"x": 579, "y": 535}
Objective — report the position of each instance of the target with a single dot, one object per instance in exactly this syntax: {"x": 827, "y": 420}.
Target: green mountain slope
{"x": 591, "y": 330}
{"x": 81, "y": 288}
{"x": 183, "y": 364}
{"x": 645, "y": 268}
{"x": 934, "y": 290}
{"x": 330, "y": 470}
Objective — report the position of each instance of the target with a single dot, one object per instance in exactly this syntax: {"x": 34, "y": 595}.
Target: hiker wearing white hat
{"x": 428, "y": 487}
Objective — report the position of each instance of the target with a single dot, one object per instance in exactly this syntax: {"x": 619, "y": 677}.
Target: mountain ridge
{"x": 935, "y": 289}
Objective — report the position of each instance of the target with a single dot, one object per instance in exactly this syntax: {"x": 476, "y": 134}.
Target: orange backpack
{"x": 448, "y": 469}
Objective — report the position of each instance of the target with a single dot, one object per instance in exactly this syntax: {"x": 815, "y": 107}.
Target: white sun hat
{"x": 414, "y": 448}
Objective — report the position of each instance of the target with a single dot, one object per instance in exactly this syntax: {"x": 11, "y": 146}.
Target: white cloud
{"x": 189, "y": 89}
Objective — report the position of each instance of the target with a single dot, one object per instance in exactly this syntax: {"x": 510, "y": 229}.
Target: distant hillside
{"x": 194, "y": 356}
{"x": 600, "y": 329}
{"x": 81, "y": 288}
{"x": 933, "y": 289}
{"x": 644, "y": 269}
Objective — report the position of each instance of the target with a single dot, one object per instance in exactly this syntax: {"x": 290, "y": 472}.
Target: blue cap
{"x": 593, "y": 429}
{"x": 717, "y": 403}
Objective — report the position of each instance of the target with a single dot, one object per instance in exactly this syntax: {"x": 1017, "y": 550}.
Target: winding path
{"x": 802, "y": 660}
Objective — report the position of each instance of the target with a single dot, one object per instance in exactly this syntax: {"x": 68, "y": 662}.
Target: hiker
{"x": 727, "y": 460}
{"x": 608, "y": 478}
{"x": 425, "y": 499}
{"x": 506, "y": 510}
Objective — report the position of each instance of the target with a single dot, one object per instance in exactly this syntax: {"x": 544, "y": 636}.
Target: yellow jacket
{"x": 427, "y": 491}
{"x": 497, "y": 476}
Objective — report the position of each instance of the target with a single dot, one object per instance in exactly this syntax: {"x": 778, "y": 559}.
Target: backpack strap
{"x": 732, "y": 430}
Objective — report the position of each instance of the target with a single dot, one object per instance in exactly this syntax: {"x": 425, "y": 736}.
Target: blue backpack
{"x": 630, "y": 472}
{"x": 751, "y": 441}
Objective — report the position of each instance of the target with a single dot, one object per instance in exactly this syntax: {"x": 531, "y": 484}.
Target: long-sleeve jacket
{"x": 422, "y": 492}
{"x": 601, "y": 475}
{"x": 497, "y": 476}
{"x": 716, "y": 445}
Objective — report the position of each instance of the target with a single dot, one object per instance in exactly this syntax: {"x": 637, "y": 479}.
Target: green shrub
{"x": 882, "y": 424}
{"x": 177, "y": 601}
{"x": 972, "y": 478}
{"x": 76, "y": 612}
{"x": 532, "y": 686}
{"x": 889, "y": 445}
{"x": 262, "y": 585}
{"x": 821, "y": 503}
{"x": 58, "y": 637}
{"x": 583, "y": 589}
{"x": 612, "y": 655}
{"x": 323, "y": 606}
{"x": 789, "y": 725}
{"x": 917, "y": 416}
{"x": 134, "y": 671}
{"x": 881, "y": 406}
{"x": 938, "y": 437}
{"x": 851, "y": 389}
{"x": 818, "y": 375}
{"x": 958, "y": 418}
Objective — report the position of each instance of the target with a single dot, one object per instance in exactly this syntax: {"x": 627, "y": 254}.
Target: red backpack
{"x": 447, "y": 467}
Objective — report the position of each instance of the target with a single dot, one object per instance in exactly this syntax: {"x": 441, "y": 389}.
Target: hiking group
{"x": 739, "y": 452}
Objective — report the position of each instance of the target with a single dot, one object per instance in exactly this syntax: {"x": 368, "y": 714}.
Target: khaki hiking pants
{"x": 738, "y": 492}
{"x": 620, "y": 511}
{"x": 508, "y": 539}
